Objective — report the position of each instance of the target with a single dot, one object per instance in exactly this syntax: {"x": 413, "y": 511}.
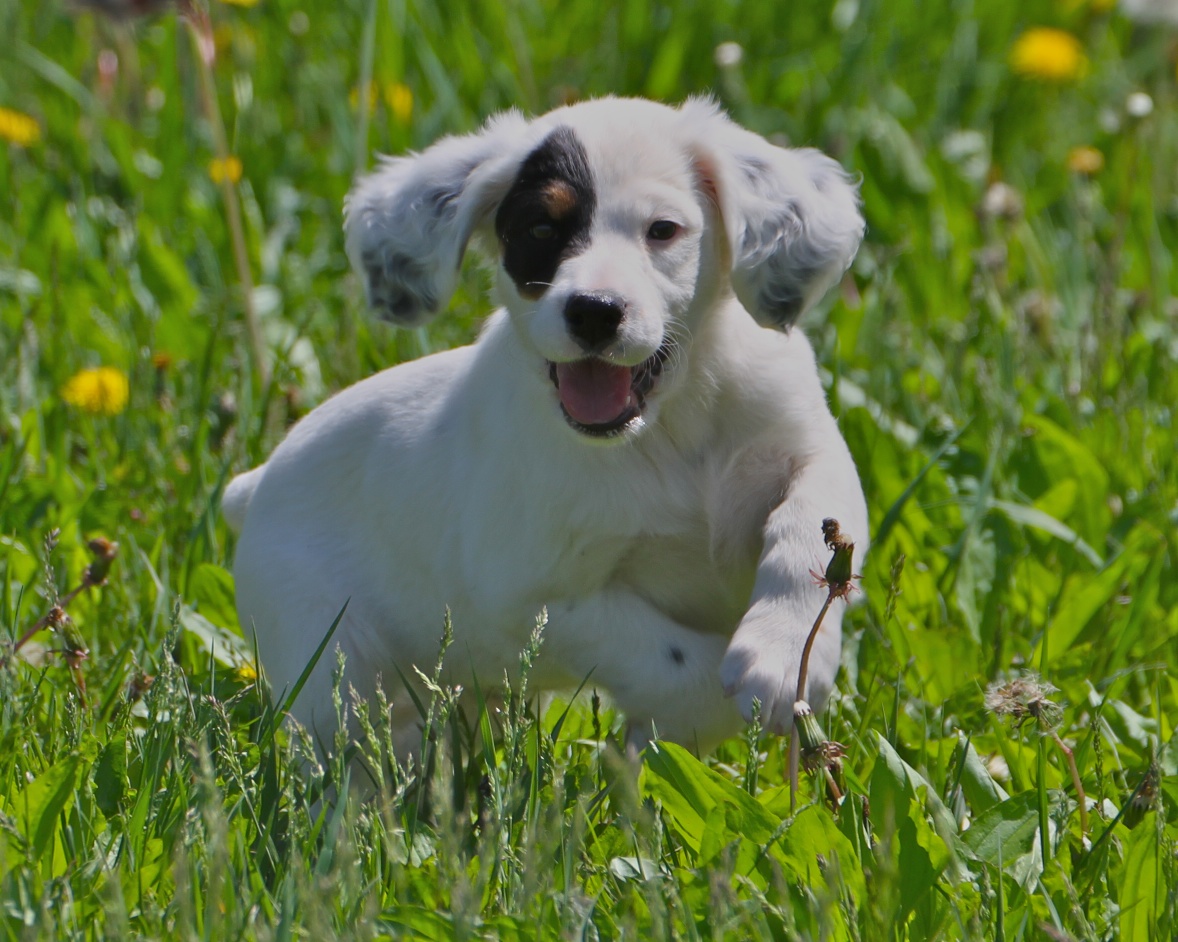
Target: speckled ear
{"x": 408, "y": 222}
{"x": 791, "y": 216}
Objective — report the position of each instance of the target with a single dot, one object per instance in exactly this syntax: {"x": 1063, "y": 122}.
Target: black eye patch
{"x": 546, "y": 215}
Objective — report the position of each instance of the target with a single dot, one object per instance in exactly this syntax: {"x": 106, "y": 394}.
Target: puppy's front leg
{"x": 765, "y": 652}
{"x": 661, "y": 674}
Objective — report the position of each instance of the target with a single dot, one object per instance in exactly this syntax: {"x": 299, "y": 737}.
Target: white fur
{"x": 673, "y": 558}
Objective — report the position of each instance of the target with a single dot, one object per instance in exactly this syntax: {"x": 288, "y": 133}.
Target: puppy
{"x": 637, "y": 442}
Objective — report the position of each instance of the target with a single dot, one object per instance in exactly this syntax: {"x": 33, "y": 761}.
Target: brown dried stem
{"x": 1081, "y": 797}
{"x": 73, "y": 649}
{"x": 837, "y": 580}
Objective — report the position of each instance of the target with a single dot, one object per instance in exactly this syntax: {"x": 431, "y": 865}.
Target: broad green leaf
{"x": 149, "y": 876}
{"x": 416, "y": 922}
{"x": 981, "y": 791}
{"x": 1168, "y": 757}
{"x": 39, "y": 805}
{"x": 852, "y": 822}
{"x": 212, "y": 590}
{"x": 1142, "y": 886}
{"x": 110, "y": 776}
{"x": 1085, "y": 596}
{"x": 1028, "y": 516}
{"x": 689, "y": 792}
{"x": 975, "y": 580}
{"x": 1061, "y": 456}
{"x": 226, "y": 648}
{"x": 812, "y": 835}
{"x": 899, "y": 798}
{"x": 1007, "y": 831}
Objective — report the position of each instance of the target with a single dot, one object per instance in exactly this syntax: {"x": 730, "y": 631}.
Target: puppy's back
{"x": 236, "y": 499}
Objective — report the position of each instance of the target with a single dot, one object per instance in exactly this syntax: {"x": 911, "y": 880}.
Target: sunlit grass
{"x": 1001, "y": 357}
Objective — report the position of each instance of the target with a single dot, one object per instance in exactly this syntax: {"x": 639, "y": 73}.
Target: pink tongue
{"x": 594, "y": 392}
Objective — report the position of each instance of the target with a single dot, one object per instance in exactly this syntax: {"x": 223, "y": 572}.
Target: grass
{"x": 1002, "y": 359}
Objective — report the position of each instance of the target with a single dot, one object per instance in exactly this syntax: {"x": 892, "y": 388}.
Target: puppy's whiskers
{"x": 676, "y": 340}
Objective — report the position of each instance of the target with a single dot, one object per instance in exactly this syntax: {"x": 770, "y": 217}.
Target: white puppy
{"x": 637, "y": 441}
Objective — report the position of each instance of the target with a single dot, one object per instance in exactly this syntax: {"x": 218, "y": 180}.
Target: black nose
{"x": 593, "y": 319}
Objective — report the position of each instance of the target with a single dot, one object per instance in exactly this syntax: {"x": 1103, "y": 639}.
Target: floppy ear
{"x": 791, "y": 216}
{"x": 409, "y": 221}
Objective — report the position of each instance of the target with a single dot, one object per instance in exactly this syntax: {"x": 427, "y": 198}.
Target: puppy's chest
{"x": 688, "y": 543}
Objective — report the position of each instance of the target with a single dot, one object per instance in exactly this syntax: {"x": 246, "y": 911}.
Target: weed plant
{"x": 1001, "y": 359}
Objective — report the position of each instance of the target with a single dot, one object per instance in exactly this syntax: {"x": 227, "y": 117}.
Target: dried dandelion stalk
{"x": 816, "y": 751}
{"x": 73, "y": 649}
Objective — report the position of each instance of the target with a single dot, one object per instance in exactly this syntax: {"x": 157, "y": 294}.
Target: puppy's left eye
{"x": 662, "y": 230}
{"x": 542, "y": 231}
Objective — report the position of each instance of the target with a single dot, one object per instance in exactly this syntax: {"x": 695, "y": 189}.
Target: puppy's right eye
{"x": 542, "y": 231}
{"x": 662, "y": 230}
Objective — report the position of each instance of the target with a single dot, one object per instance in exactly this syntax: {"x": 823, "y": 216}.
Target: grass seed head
{"x": 139, "y": 684}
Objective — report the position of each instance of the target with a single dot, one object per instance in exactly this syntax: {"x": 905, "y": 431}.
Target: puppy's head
{"x": 617, "y": 225}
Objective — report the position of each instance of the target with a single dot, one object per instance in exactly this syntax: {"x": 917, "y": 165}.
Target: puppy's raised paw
{"x": 762, "y": 663}
{"x": 748, "y": 676}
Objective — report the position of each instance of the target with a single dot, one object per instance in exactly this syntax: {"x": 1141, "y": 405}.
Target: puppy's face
{"x": 603, "y": 239}
{"x": 616, "y": 225}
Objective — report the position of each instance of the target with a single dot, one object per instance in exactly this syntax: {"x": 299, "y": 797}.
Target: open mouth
{"x": 600, "y": 398}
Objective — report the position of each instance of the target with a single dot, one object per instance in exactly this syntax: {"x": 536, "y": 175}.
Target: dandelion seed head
{"x": 1002, "y": 201}
{"x": 1025, "y": 697}
{"x": 1139, "y": 105}
{"x": 1151, "y": 11}
{"x": 728, "y": 55}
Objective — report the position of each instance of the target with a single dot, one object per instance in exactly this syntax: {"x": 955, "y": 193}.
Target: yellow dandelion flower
{"x": 372, "y": 95}
{"x": 1048, "y": 54}
{"x": 1085, "y": 160}
{"x": 225, "y": 168}
{"x": 222, "y": 39}
{"x": 103, "y": 390}
{"x": 246, "y": 672}
{"x": 19, "y": 128}
{"x": 400, "y": 101}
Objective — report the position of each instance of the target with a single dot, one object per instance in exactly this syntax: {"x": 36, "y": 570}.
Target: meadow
{"x": 1002, "y": 359}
